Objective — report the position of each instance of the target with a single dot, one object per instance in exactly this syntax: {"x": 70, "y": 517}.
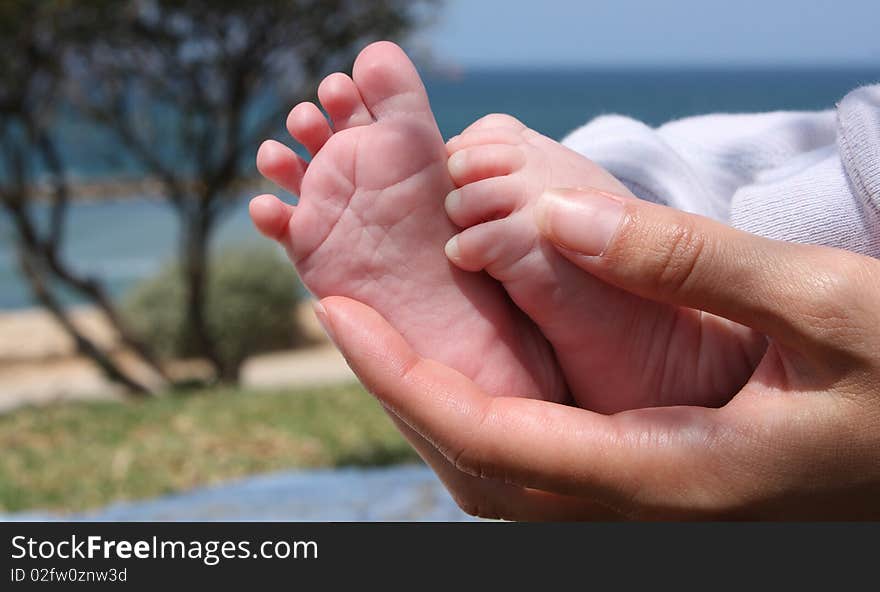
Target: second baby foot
{"x": 617, "y": 351}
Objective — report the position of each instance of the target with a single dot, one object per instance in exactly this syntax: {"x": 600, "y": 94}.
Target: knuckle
{"x": 841, "y": 298}
{"x": 680, "y": 258}
{"x": 839, "y": 284}
{"x": 709, "y": 489}
{"x": 458, "y": 458}
{"x": 464, "y": 460}
{"x": 469, "y": 456}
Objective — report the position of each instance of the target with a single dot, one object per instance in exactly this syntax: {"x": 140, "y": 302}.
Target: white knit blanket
{"x": 809, "y": 177}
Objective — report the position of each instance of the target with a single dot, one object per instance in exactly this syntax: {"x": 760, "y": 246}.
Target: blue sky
{"x": 501, "y": 33}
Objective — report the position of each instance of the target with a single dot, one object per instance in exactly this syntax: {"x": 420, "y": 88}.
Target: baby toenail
{"x": 452, "y": 250}
{"x": 321, "y": 314}
{"x": 453, "y": 200}
{"x": 455, "y": 164}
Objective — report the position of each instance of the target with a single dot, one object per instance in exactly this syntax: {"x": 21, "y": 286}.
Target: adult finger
{"x": 487, "y": 498}
{"x": 493, "y": 499}
{"x": 625, "y": 461}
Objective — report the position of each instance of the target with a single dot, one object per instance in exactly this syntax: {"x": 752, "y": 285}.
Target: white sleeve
{"x": 810, "y": 177}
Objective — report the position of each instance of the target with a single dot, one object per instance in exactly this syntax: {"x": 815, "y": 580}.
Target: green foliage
{"x": 76, "y": 456}
{"x": 252, "y": 293}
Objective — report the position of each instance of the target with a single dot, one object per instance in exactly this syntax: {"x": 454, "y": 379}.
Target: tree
{"x": 34, "y": 38}
{"x": 190, "y": 87}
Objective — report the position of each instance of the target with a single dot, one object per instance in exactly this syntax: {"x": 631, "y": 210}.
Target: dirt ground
{"x": 39, "y": 364}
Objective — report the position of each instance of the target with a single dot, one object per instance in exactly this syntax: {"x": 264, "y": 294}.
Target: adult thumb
{"x": 679, "y": 258}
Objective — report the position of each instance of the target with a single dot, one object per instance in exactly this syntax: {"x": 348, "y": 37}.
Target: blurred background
{"x": 157, "y": 358}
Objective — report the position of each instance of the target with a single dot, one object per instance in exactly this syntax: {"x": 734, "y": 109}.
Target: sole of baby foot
{"x": 370, "y": 225}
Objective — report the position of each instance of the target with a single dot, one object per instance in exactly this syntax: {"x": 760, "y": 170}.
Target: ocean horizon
{"x": 125, "y": 238}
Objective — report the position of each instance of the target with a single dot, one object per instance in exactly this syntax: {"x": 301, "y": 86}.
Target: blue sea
{"x": 127, "y": 239}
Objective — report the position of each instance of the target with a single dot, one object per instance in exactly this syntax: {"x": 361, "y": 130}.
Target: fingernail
{"x": 455, "y": 164}
{"x": 583, "y": 221}
{"x": 324, "y": 319}
{"x": 453, "y": 200}
{"x": 451, "y": 248}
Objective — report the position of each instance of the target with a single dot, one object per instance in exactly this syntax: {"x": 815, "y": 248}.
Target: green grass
{"x": 81, "y": 455}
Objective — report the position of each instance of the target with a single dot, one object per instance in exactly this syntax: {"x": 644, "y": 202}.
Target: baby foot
{"x": 370, "y": 226}
{"x": 617, "y": 351}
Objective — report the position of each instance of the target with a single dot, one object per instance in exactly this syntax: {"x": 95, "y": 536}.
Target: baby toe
{"x": 281, "y": 165}
{"x": 389, "y": 83}
{"x": 496, "y": 120}
{"x": 342, "y": 100}
{"x": 495, "y": 135}
{"x": 492, "y": 246}
{"x": 309, "y": 127}
{"x": 271, "y": 216}
{"x": 482, "y": 162}
{"x": 489, "y": 199}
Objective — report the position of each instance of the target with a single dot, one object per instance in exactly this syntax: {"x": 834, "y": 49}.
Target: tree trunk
{"x": 46, "y": 298}
{"x": 95, "y": 294}
{"x": 196, "y": 237}
{"x": 39, "y": 264}
{"x": 86, "y": 286}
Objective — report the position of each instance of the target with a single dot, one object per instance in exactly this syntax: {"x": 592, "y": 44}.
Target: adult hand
{"x": 800, "y": 440}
